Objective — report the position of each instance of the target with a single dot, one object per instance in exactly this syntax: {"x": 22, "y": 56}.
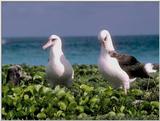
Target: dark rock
{"x": 14, "y": 74}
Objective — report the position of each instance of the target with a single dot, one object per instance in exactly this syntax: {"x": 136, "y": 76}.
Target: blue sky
{"x": 27, "y": 19}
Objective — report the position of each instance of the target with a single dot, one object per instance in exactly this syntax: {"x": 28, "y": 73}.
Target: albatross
{"x": 119, "y": 69}
{"x": 59, "y": 70}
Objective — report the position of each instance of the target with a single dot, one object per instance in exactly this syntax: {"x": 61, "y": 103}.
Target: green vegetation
{"x": 90, "y": 97}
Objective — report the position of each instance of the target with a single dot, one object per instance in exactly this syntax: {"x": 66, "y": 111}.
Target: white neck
{"x": 109, "y": 45}
{"x": 104, "y": 52}
{"x": 55, "y": 52}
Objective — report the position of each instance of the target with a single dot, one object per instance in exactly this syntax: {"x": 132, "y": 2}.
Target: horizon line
{"x": 78, "y": 36}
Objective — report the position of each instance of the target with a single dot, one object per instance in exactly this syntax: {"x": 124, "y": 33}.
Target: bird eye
{"x": 105, "y": 38}
{"x": 53, "y": 40}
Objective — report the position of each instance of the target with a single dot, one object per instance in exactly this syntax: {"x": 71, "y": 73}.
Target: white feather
{"x": 149, "y": 68}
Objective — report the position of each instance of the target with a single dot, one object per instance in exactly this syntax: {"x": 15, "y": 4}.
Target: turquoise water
{"x": 78, "y": 50}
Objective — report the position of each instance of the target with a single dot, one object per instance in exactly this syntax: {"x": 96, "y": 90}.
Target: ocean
{"x": 78, "y": 50}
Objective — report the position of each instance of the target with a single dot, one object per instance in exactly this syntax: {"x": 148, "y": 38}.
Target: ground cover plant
{"x": 90, "y": 97}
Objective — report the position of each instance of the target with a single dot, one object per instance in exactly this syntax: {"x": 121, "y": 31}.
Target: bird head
{"x": 52, "y": 41}
{"x": 106, "y": 40}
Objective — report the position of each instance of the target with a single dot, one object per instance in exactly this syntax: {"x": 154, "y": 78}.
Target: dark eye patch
{"x": 105, "y": 38}
{"x": 53, "y": 39}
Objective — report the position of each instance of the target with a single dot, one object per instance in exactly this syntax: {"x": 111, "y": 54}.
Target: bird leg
{"x": 125, "y": 90}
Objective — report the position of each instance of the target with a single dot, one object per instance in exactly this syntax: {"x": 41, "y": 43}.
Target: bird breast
{"x": 59, "y": 70}
{"x": 107, "y": 69}
{"x": 55, "y": 69}
{"x": 108, "y": 65}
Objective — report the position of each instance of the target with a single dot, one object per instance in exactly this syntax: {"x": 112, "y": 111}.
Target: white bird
{"x": 59, "y": 71}
{"x": 109, "y": 66}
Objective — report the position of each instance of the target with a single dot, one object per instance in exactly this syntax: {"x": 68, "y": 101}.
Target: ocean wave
{"x": 4, "y": 41}
{"x": 79, "y": 50}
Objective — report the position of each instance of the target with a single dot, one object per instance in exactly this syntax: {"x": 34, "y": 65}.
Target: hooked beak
{"x": 48, "y": 44}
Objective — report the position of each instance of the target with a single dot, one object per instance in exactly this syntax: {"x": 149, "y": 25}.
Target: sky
{"x": 39, "y": 19}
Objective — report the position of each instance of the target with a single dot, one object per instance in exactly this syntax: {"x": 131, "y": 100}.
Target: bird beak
{"x": 48, "y": 44}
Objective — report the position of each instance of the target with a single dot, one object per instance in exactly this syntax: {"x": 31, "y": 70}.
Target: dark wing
{"x": 130, "y": 65}
{"x": 124, "y": 59}
{"x": 136, "y": 70}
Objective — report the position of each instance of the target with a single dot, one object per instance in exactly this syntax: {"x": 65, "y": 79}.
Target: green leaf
{"x": 94, "y": 100}
{"x": 17, "y": 90}
{"x": 39, "y": 76}
{"x": 70, "y": 97}
{"x": 137, "y": 92}
{"x": 130, "y": 112}
{"x": 109, "y": 91}
{"x": 111, "y": 114}
{"x": 71, "y": 106}
{"x": 62, "y": 105}
{"x": 10, "y": 115}
{"x": 84, "y": 100}
{"x": 82, "y": 116}
{"x": 9, "y": 100}
{"x": 155, "y": 104}
{"x": 3, "y": 112}
{"x": 120, "y": 115}
{"x": 41, "y": 115}
{"x": 114, "y": 98}
{"x": 122, "y": 108}
{"x": 37, "y": 87}
{"x": 26, "y": 97}
{"x": 5, "y": 90}
{"x": 46, "y": 90}
{"x": 19, "y": 107}
{"x": 106, "y": 101}
{"x": 30, "y": 89}
{"x": 32, "y": 109}
{"x": 60, "y": 113}
{"x": 80, "y": 109}
{"x": 61, "y": 93}
{"x": 86, "y": 88}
